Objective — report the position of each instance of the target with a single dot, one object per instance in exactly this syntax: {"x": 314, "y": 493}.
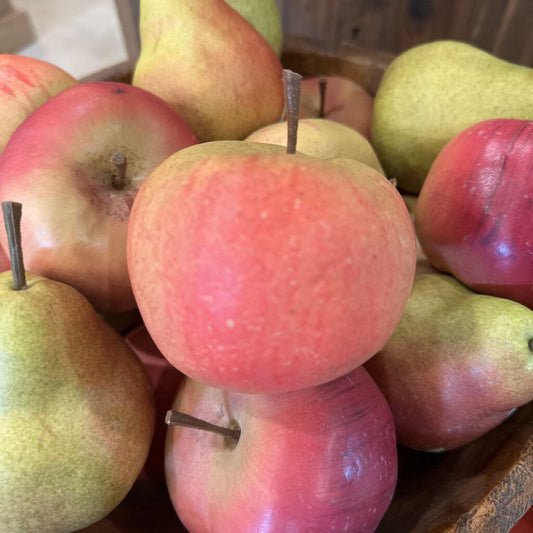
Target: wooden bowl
{"x": 483, "y": 487}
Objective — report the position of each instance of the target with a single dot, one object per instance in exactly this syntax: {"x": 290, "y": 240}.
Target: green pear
{"x": 210, "y": 65}
{"x": 433, "y": 91}
{"x": 77, "y": 410}
{"x": 321, "y": 138}
{"x": 263, "y": 15}
{"x": 457, "y": 365}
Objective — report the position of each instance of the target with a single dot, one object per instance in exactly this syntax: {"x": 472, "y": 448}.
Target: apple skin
{"x": 474, "y": 213}
{"x": 346, "y": 102}
{"x": 165, "y": 380}
{"x": 269, "y": 272}
{"x": 318, "y": 459}
{"x": 57, "y": 164}
{"x": 25, "y": 84}
{"x": 5, "y": 263}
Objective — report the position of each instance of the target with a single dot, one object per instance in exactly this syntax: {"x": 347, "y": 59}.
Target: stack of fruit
{"x": 292, "y": 332}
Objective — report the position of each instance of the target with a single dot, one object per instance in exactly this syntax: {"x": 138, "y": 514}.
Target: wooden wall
{"x": 502, "y": 27}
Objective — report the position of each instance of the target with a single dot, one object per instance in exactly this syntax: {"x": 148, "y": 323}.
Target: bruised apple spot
{"x": 5, "y": 88}
{"x": 118, "y": 90}
{"x": 23, "y": 78}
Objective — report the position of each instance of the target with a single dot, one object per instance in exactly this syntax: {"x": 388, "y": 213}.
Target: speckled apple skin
{"x": 57, "y": 164}
{"x": 269, "y": 272}
{"x": 316, "y": 460}
{"x": 76, "y": 410}
{"x": 474, "y": 214}
{"x": 25, "y": 84}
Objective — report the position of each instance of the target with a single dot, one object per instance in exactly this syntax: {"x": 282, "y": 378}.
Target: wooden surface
{"x": 501, "y": 27}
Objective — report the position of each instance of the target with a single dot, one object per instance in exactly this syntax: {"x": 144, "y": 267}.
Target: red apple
{"x": 345, "y": 101}
{"x": 76, "y": 203}
{"x": 474, "y": 214}
{"x": 5, "y": 263}
{"x": 318, "y": 459}
{"x": 25, "y": 84}
{"x": 269, "y": 272}
{"x": 165, "y": 379}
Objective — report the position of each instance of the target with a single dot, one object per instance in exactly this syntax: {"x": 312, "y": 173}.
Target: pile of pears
{"x": 78, "y": 411}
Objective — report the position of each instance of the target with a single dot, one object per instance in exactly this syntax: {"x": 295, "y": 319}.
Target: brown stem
{"x": 292, "y": 83}
{"x": 322, "y": 85}
{"x": 12, "y": 212}
{"x": 177, "y": 418}
{"x": 120, "y": 162}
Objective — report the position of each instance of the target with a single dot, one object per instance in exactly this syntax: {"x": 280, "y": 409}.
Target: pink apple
{"x": 5, "y": 263}
{"x": 25, "y": 84}
{"x": 165, "y": 379}
{"x": 345, "y": 101}
{"x": 474, "y": 214}
{"x": 318, "y": 459}
{"x": 269, "y": 272}
{"x": 76, "y": 207}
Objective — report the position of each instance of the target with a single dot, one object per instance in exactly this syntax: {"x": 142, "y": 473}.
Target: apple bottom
{"x": 319, "y": 459}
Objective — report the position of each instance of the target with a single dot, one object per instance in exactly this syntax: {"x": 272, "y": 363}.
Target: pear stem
{"x": 120, "y": 163}
{"x": 292, "y": 83}
{"x": 12, "y": 212}
{"x": 177, "y": 418}
{"x": 322, "y": 86}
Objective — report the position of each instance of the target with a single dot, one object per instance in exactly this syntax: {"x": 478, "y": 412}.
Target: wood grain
{"x": 501, "y": 27}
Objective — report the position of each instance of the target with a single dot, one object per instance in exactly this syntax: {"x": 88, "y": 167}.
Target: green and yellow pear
{"x": 430, "y": 93}
{"x": 457, "y": 365}
{"x": 321, "y": 138}
{"x": 263, "y": 15}
{"x": 205, "y": 60}
{"x": 77, "y": 410}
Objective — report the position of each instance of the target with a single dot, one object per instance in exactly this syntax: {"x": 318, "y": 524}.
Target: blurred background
{"x": 80, "y": 36}
{"x": 85, "y": 37}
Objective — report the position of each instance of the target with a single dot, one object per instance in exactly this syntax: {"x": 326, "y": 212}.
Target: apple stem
{"x": 292, "y": 83}
{"x": 177, "y": 418}
{"x": 120, "y": 162}
{"x": 12, "y": 212}
{"x": 322, "y": 85}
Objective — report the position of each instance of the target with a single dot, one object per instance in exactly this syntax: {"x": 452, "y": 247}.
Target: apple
{"x": 344, "y": 101}
{"x": 5, "y": 263}
{"x": 165, "y": 380}
{"x": 318, "y": 459}
{"x": 25, "y": 84}
{"x": 474, "y": 214}
{"x": 269, "y": 272}
{"x": 76, "y": 200}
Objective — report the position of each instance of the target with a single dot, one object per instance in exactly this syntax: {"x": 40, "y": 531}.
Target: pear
{"x": 430, "y": 93}
{"x": 210, "y": 65}
{"x": 263, "y": 15}
{"x": 321, "y": 138}
{"x": 457, "y": 365}
{"x": 77, "y": 409}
